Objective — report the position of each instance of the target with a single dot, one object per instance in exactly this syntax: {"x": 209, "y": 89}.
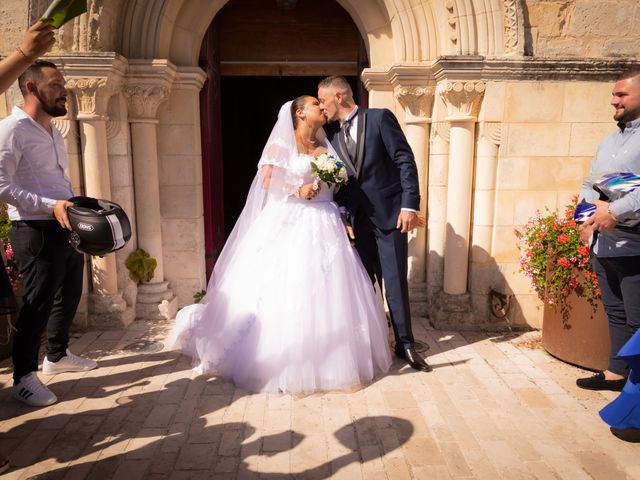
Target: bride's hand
{"x": 307, "y": 191}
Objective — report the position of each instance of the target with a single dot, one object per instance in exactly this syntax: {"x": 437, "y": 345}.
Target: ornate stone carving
{"x": 91, "y": 94}
{"x": 440, "y": 129}
{"x": 462, "y": 98}
{"x": 113, "y": 128}
{"x": 492, "y": 131}
{"x": 64, "y": 126}
{"x": 144, "y": 100}
{"x": 510, "y": 19}
{"x": 417, "y": 100}
{"x": 452, "y": 20}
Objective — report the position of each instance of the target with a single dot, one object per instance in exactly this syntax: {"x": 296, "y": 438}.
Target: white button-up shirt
{"x": 32, "y": 168}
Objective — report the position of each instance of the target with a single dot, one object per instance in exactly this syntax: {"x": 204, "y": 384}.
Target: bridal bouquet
{"x": 329, "y": 169}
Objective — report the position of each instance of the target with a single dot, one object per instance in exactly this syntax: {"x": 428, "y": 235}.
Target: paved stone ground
{"x": 493, "y": 408}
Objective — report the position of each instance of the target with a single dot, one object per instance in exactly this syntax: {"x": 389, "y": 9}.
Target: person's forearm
{"x": 11, "y": 67}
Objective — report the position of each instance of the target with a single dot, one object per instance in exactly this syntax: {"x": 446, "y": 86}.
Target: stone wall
{"x": 550, "y": 132}
{"x": 582, "y": 28}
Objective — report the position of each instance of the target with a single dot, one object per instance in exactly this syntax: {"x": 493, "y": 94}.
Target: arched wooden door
{"x": 258, "y": 54}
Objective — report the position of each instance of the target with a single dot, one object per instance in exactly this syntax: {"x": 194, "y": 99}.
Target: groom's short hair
{"x": 337, "y": 82}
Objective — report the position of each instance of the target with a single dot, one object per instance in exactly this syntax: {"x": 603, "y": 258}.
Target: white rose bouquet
{"x": 328, "y": 169}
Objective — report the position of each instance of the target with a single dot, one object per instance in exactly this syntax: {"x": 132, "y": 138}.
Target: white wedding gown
{"x": 294, "y": 309}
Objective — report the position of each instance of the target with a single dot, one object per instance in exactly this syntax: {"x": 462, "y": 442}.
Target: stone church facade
{"x": 503, "y": 102}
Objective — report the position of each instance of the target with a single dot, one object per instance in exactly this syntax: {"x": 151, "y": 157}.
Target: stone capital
{"x": 92, "y": 80}
{"x": 144, "y": 100}
{"x": 417, "y": 101}
{"x": 462, "y": 98}
{"x": 148, "y": 85}
{"x": 92, "y": 96}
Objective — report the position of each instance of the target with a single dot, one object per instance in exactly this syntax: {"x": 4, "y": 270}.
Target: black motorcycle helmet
{"x": 98, "y": 226}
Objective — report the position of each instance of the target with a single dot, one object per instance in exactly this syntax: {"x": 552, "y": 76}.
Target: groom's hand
{"x": 348, "y": 228}
{"x": 407, "y": 221}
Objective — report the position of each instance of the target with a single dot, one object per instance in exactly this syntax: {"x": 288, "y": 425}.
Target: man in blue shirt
{"x": 616, "y": 252}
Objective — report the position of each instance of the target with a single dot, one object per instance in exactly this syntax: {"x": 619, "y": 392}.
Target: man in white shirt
{"x": 34, "y": 185}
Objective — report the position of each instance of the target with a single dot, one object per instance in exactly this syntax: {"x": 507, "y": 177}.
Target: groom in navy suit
{"x": 382, "y": 198}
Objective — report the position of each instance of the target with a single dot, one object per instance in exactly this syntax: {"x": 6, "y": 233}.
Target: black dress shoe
{"x": 598, "y": 382}
{"x": 414, "y": 359}
{"x": 631, "y": 435}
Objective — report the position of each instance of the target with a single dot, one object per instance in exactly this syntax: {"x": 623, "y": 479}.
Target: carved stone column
{"x": 418, "y": 102}
{"x": 92, "y": 85}
{"x": 437, "y": 201}
{"x": 148, "y": 85}
{"x": 484, "y": 191}
{"x": 462, "y": 100}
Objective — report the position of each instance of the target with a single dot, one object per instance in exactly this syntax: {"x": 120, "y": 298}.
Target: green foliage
{"x": 141, "y": 265}
{"x": 555, "y": 260}
{"x": 199, "y": 296}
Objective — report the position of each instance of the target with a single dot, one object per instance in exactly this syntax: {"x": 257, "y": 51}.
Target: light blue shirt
{"x": 32, "y": 168}
{"x": 619, "y": 152}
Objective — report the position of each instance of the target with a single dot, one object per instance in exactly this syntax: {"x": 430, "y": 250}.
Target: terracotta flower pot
{"x": 583, "y": 340}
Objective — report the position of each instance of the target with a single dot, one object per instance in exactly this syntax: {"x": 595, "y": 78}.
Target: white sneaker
{"x": 32, "y": 391}
{"x": 68, "y": 363}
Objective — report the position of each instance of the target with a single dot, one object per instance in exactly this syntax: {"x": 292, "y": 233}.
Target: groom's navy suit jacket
{"x": 383, "y": 177}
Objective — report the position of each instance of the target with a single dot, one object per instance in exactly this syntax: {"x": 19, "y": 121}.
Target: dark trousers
{"x": 52, "y": 277}
{"x": 619, "y": 280}
{"x": 384, "y": 254}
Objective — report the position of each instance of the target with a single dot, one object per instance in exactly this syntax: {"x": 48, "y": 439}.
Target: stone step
{"x": 419, "y": 309}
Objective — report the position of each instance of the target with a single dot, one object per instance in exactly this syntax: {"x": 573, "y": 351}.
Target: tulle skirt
{"x": 293, "y": 311}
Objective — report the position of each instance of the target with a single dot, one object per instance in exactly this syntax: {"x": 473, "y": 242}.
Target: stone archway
{"x": 404, "y": 42}
{"x": 394, "y": 30}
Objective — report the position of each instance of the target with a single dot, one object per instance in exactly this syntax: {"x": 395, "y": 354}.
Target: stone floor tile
{"x": 492, "y": 409}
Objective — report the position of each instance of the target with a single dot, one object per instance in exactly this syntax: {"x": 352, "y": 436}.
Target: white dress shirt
{"x": 32, "y": 168}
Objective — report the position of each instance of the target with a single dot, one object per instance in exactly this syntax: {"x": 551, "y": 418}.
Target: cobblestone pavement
{"x": 495, "y": 407}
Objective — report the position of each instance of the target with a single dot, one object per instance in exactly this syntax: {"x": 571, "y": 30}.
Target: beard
{"x": 51, "y": 108}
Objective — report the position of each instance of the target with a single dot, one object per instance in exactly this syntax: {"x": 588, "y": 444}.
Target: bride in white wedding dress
{"x": 289, "y": 306}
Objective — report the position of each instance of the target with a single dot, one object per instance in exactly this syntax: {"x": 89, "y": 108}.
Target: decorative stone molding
{"x": 441, "y": 129}
{"x": 64, "y": 126}
{"x": 510, "y": 22}
{"x": 418, "y": 101}
{"x": 189, "y": 78}
{"x": 462, "y": 98}
{"x": 113, "y": 128}
{"x": 452, "y": 21}
{"x": 492, "y": 131}
{"x": 92, "y": 95}
{"x": 148, "y": 85}
{"x": 92, "y": 78}
{"x": 144, "y": 100}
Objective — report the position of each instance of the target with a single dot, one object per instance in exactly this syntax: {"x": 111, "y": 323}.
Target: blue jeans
{"x": 619, "y": 280}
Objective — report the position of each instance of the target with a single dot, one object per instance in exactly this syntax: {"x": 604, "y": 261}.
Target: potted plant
{"x": 574, "y": 328}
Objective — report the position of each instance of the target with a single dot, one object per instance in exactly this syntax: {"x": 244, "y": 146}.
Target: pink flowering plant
{"x": 555, "y": 260}
{"x": 11, "y": 265}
